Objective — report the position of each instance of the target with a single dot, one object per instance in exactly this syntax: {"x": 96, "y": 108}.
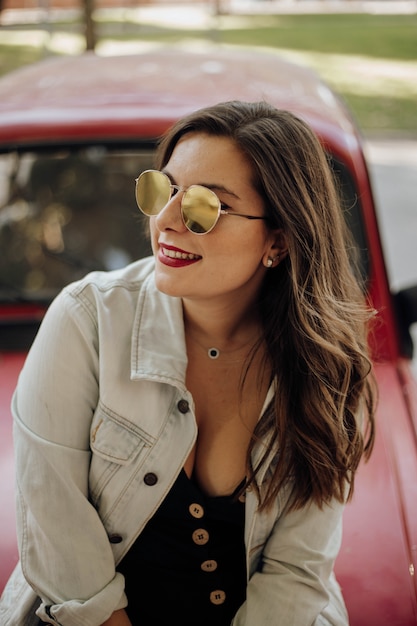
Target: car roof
{"x": 142, "y": 94}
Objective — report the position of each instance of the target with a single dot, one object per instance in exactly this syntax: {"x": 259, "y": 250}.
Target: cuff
{"x": 91, "y": 612}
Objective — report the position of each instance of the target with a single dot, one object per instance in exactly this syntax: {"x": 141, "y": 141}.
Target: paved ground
{"x": 323, "y": 6}
{"x": 198, "y": 12}
{"x": 394, "y": 173}
{"x": 393, "y": 168}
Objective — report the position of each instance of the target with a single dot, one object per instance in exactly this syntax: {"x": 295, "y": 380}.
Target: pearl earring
{"x": 271, "y": 261}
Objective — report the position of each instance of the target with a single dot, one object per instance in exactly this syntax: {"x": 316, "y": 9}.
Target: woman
{"x": 188, "y": 428}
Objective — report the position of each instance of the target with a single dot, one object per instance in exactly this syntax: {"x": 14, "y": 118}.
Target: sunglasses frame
{"x": 185, "y": 190}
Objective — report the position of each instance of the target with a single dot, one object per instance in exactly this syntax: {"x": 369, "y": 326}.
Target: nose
{"x": 170, "y": 218}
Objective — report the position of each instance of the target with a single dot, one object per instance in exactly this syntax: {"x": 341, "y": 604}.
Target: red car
{"x": 74, "y": 135}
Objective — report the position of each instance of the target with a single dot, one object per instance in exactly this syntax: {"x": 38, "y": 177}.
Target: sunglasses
{"x": 200, "y": 207}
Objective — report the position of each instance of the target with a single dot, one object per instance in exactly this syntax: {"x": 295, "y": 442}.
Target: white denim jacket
{"x": 103, "y": 423}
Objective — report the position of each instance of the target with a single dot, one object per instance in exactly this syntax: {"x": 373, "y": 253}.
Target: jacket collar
{"x": 158, "y": 349}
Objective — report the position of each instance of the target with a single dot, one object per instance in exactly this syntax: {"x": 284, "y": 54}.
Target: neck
{"x": 224, "y": 328}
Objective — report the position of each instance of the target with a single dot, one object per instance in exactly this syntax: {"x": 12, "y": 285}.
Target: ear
{"x": 277, "y": 249}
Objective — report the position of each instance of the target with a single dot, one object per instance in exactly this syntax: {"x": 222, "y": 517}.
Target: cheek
{"x": 240, "y": 256}
{"x": 246, "y": 247}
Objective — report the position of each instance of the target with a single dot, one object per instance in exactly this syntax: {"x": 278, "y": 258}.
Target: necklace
{"x": 214, "y": 353}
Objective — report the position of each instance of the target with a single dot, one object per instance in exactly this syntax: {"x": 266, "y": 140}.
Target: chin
{"x": 168, "y": 285}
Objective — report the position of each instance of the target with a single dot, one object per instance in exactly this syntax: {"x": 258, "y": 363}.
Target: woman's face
{"x": 229, "y": 260}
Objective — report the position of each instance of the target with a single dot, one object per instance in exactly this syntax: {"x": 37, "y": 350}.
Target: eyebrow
{"x": 211, "y": 186}
{"x": 223, "y": 190}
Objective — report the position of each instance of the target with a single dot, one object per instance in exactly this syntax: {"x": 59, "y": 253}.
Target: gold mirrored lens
{"x": 153, "y": 191}
{"x": 200, "y": 209}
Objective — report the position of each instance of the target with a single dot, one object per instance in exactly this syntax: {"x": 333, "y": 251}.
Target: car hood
{"x": 10, "y": 366}
{"x": 375, "y": 564}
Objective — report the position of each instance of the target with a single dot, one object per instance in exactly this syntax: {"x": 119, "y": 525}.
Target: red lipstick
{"x": 175, "y": 257}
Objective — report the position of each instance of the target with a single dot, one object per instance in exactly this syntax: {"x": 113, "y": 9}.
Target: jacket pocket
{"x": 116, "y": 445}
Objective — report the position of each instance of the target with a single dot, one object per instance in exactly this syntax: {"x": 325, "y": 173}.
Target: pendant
{"x": 213, "y": 353}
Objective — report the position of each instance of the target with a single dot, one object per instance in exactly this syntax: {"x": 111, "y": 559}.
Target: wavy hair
{"x": 313, "y": 311}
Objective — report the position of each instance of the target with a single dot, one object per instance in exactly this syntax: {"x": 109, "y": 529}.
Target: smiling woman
{"x": 190, "y": 458}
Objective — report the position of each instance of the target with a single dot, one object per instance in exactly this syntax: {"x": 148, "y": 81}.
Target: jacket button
{"x": 183, "y": 406}
{"x": 115, "y": 539}
{"x": 150, "y": 479}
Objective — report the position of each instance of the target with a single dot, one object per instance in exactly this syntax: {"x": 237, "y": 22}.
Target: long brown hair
{"x": 312, "y": 308}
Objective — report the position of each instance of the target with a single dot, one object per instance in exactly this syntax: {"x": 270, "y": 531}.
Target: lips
{"x": 175, "y": 257}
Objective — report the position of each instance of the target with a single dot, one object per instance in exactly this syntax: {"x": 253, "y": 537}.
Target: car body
{"x": 74, "y": 134}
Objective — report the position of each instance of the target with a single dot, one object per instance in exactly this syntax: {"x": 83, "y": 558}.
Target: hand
{"x": 118, "y": 618}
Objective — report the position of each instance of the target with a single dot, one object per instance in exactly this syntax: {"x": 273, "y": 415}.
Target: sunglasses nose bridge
{"x": 171, "y": 215}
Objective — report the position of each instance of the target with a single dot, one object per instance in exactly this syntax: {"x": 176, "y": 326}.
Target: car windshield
{"x": 67, "y": 211}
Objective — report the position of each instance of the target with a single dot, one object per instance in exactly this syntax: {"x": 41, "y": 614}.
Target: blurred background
{"x": 365, "y": 50}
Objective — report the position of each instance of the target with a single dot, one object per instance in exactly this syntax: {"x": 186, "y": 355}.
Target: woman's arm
{"x": 293, "y": 583}
{"x": 65, "y": 551}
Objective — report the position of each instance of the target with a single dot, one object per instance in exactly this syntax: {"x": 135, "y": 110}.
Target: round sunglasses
{"x": 200, "y": 207}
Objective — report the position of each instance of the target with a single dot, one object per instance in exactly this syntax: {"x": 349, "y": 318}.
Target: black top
{"x": 188, "y": 564}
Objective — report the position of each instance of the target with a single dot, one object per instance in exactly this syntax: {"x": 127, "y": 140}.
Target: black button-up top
{"x": 188, "y": 564}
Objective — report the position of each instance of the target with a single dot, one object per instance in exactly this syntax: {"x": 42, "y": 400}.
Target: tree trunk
{"x": 90, "y": 35}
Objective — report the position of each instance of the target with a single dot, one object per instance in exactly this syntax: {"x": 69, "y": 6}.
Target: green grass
{"x": 384, "y": 114}
{"x": 13, "y": 57}
{"x": 377, "y": 36}
{"x": 371, "y": 60}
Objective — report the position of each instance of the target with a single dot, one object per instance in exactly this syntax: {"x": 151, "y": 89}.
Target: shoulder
{"x": 121, "y": 286}
{"x": 130, "y": 278}
{"x": 102, "y": 294}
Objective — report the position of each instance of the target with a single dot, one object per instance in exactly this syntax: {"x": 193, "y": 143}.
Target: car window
{"x": 67, "y": 211}
{"x": 352, "y": 211}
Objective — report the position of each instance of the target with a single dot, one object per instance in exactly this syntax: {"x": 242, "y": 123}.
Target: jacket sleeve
{"x": 293, "y": 583}
{"x": 65, "y": 552}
